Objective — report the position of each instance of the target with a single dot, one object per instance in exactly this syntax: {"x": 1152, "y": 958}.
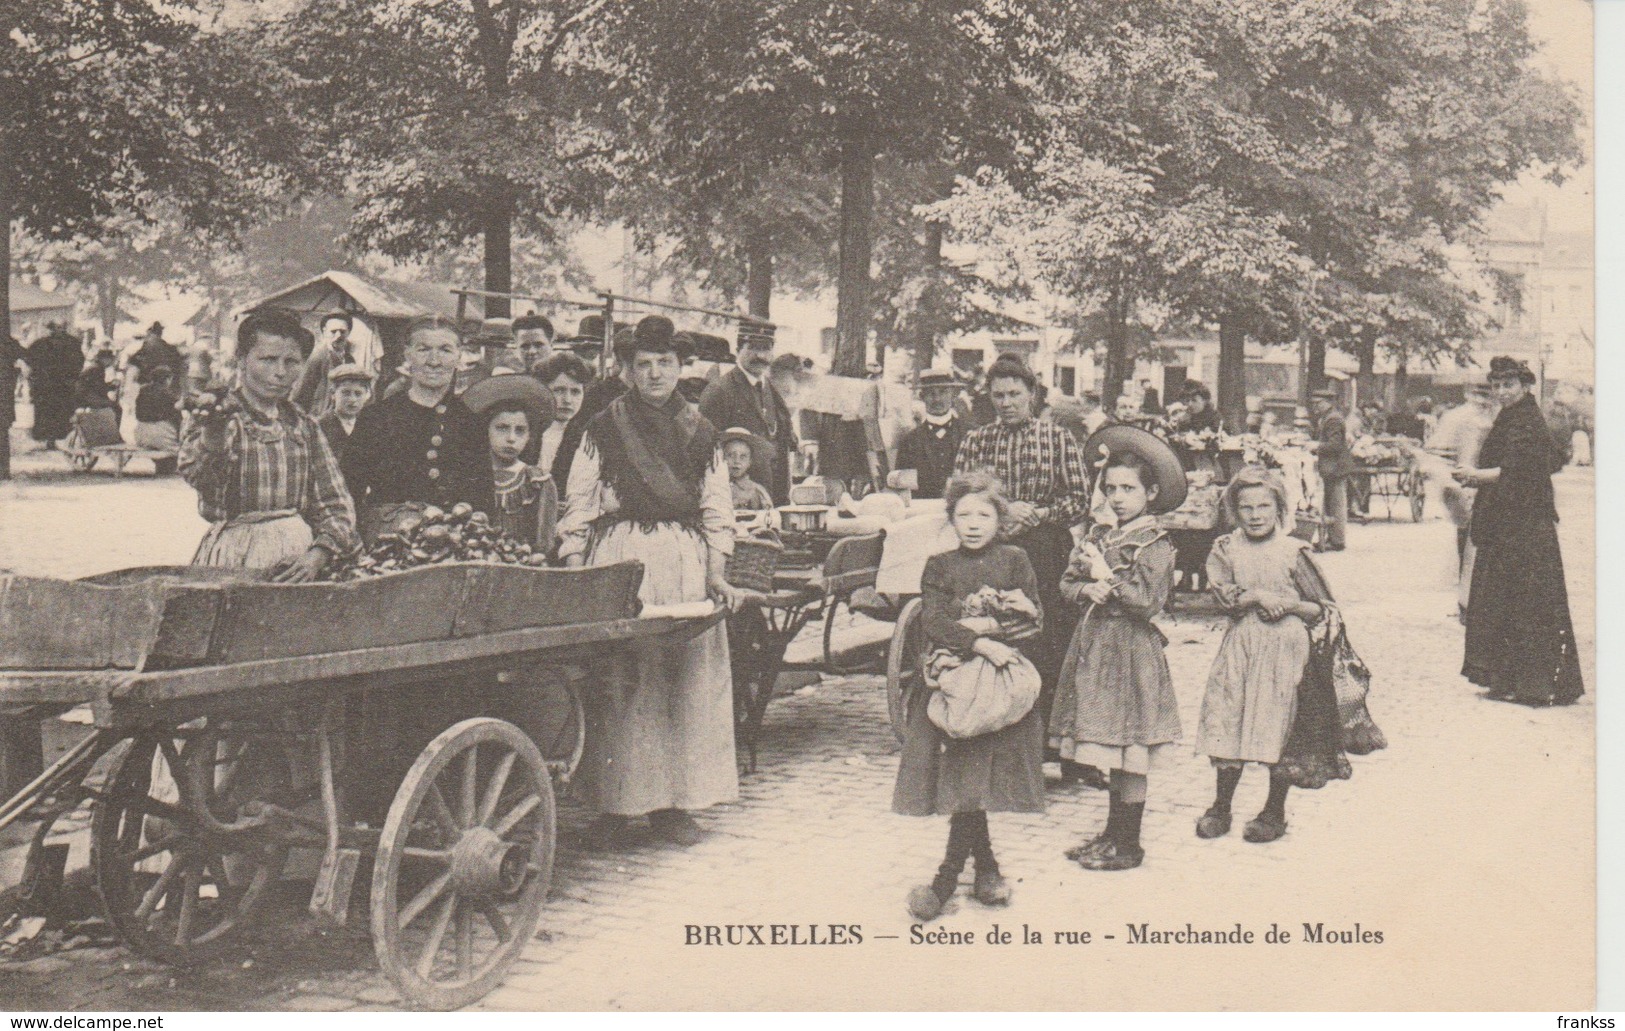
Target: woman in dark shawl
{"x": 648, "y": 484}
{"x": 1520, "y": 639}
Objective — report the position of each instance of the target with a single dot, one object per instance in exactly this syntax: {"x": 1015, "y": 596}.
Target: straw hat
{"x": 501, "y": 390}
{"x": 1166, "y": 471}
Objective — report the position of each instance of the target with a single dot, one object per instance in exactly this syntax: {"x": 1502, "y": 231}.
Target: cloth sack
{"x": 1351, "y": 680}
{"x": 975, "y": 697}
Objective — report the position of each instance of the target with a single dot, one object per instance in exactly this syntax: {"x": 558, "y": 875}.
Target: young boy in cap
{"x": 930, "y": 447}
{"x": 349, "y": 388}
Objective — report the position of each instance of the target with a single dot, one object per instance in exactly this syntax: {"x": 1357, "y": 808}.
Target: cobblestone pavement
{"x": 1468, "y": 843}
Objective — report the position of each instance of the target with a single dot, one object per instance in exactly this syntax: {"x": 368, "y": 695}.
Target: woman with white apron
{"x": 267, "y": 481}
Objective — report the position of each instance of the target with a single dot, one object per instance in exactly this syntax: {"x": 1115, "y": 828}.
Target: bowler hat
{"x": 1166, "y": 470}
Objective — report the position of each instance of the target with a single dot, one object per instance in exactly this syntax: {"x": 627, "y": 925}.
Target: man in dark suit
{"x": 1335, "y": 464}
{"x": 745, "y": 397}
{"x": 930, "y": 447}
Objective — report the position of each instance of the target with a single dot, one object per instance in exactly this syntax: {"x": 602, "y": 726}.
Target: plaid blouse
{"x": 281, "y": 464}
{"x": 1037, "y": 461}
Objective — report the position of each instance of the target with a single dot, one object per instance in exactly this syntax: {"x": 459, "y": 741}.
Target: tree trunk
{"x": 498, "y": 233}
{"x": 928, "y": 317}
{"x": 1232, "y": 399}
{"x": 108, "y": 295}
{"x": 1114, "y": 370}
{"x": 856, "y": 246}
{"x": 1402, "y": 382}
{"x": 5, "y": 242}
{"x": 1367, "y": 380}
{"x": 759, "y": 277}
{"x": 1317, "y": 367}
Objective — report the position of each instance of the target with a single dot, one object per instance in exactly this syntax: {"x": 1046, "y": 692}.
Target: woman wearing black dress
{"x": 1520, "y": 639}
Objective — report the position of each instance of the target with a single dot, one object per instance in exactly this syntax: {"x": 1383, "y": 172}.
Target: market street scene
{"x": 583, "y": 505}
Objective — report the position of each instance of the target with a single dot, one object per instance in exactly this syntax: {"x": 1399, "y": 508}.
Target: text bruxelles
{"x": 772, "y": 934}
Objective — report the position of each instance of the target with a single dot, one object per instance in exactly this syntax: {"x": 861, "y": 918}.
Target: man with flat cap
{"x": 1335, "y": 464}
{"x": 349, "y": 388}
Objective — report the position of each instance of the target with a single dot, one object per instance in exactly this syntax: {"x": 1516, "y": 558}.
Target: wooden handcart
{"x": 94, "y": 435}
{"x": 416, "y": 722}
{"x": 1400, "y": 482}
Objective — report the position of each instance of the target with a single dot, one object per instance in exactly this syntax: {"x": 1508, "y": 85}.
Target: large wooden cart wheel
{"x": 176, "y": 874}
{"x": 902, "y": 664}
{"x": 464, "y": 864}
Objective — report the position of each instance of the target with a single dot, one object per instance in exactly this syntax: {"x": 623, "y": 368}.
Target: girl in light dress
{"x": 1258, "y": 706}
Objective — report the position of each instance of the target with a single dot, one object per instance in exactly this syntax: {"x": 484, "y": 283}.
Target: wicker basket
{"x": 754, "y": 561}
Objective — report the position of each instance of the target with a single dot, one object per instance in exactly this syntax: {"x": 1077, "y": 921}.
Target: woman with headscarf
{"x": 648, "y": 483}
{"x": 1520, "y": 638}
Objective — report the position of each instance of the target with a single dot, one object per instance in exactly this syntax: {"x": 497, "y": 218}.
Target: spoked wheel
{"x": 1416, "y": 489}
{"x": 464, "y": 864}
{"x": 176, "y": 883}
{"x": 902, "y": 665}
{"x": 79, "y": 454}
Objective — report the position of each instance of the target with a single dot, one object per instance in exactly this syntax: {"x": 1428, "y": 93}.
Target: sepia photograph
{"x": 771, "y": 505}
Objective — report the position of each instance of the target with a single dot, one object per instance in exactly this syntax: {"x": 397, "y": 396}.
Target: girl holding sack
{"x": 978, "y": 659}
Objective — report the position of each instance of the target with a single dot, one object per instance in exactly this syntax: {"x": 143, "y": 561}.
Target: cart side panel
{"x": 497, "y": 599}
{"x": 273, "y": 621}
{"x": 59, "y": 624}
{"x": 270, "y": 621}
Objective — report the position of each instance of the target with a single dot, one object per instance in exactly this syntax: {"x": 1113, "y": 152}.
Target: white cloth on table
{"x": 662, "y": 738}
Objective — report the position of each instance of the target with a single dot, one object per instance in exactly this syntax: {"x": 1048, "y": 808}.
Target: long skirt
{"x": 255, "y": 540}
{"x": 1520, "y": 637}
{"x": 939, "y": 775}
{"x": 1252, "y": 689}
{"x": 1115, "y": 706}
{"x": 662, "y": 737}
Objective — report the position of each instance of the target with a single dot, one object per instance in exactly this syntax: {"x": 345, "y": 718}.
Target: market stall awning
{"x": 354, "y": 292}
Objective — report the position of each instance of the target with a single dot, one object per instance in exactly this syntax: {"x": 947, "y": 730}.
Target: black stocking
{"x": 1276, "y": 806}
{"x": 1228, "y": 777}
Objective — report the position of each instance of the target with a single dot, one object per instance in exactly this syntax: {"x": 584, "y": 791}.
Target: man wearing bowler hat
{"x": 1335, "y": 464}
{"x": 930, "y": 447}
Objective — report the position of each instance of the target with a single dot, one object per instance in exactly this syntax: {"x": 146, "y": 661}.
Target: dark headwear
{"x": 654, "y": 334}
{"x": 1504, "y": 367}
{"x": 1195, "y": 389}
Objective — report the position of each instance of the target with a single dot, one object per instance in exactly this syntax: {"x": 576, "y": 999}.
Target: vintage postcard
{"x": 547, "y": 505}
